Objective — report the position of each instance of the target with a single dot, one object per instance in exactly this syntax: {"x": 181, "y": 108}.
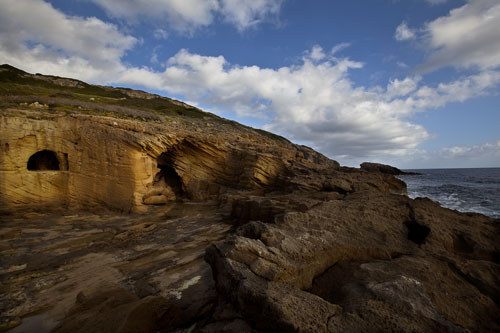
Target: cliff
{"x": 239, "y": 229}
{"x": 111, "y": 156}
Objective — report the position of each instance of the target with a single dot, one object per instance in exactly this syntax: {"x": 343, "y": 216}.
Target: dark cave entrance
{"x": 168, "y": 177}
{"x": 43, "y": 160}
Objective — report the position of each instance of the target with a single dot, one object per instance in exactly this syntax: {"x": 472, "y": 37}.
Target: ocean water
{"x": 465, "y": 190}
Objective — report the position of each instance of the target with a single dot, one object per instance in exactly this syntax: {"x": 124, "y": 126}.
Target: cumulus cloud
{"x": 188, "y": 15}
{"x": 37, "y": 37}
{"x": 314, "y": 101}
{"x": 403, "y": 32}
{"x": 468, "y": 37}
{"x": 32, "y": 20}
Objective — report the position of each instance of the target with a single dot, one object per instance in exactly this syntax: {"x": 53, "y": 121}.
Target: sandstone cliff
{"x": 105, "y": 161}
{"x": 294, "y": 242}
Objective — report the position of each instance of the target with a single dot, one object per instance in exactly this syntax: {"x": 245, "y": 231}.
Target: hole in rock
{"x": 43, "y": 160}
{"x": 417, "y": 233}
{"x": 169, "y": 178}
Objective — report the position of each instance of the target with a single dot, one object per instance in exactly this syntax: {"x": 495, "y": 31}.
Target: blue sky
{"x": 412, "y": 83}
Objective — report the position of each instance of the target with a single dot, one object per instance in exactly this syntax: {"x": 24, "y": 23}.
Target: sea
{"x": 466, "y": 190}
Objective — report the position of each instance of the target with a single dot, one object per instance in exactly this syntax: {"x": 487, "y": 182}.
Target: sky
{"x": 411, "y": 83}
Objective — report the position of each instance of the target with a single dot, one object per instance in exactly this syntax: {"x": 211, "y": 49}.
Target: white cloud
{"x": 38, "y": 38}
{"x": 315, "y": 102}
{"x": 468, "y": 37}
{"x": 339, "y": 47}
{"x": 38, "y": 22}
{"x": 475, "y": 156}
{"x": 181, "y": 15}
{"x": 402, "y": 87}
{"x": 316, "y": 53}
{"x": 476, "y": 152}
{"x": 247, "y": 13}
{"x": 403, "y": 32}
{"x": 188, "y": 15}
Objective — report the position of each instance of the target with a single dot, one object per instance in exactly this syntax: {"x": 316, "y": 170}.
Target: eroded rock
{"x": 372, "y": 268}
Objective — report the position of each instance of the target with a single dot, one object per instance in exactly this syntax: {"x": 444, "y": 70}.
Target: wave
{"x": 465, "y": 190}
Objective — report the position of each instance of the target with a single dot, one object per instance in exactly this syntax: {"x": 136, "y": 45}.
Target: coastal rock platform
{"x": 123, "y": 211}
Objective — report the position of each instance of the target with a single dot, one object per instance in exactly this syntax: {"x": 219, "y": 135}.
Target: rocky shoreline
{"x": 204, "y": 225}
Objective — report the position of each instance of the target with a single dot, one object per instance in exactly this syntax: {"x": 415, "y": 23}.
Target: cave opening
{"x": 43, "y": 160}
{"x": 167, "y": 184}
{"x": 168, "y": 177}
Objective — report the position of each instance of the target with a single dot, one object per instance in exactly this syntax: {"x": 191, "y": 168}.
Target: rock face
{"x": 124, "y": 164}
{"x": 297, "y": 242}
{"x": 101, "y": 162}
{"x": 94, "y": 164}
{"x": 369, "y": 261}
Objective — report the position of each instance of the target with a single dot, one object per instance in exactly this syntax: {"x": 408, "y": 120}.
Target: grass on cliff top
{"x": 74, "y": 96}
{"x": 16, "y": 85}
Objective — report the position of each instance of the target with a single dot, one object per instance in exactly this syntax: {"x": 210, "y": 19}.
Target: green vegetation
{"x": 19, "y": 89}
{"x": 59, "y": 93}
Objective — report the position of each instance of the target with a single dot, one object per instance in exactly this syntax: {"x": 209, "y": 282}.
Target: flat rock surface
{"x": 49, "y": 261}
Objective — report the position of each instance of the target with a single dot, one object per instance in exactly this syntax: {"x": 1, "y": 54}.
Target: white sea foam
{"x": 466, "y": 190}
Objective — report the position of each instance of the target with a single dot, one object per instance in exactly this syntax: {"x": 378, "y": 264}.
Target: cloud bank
{"x": 486, "y": 154}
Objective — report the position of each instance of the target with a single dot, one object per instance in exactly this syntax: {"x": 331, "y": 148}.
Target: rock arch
{"x": 43, "y": 160}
